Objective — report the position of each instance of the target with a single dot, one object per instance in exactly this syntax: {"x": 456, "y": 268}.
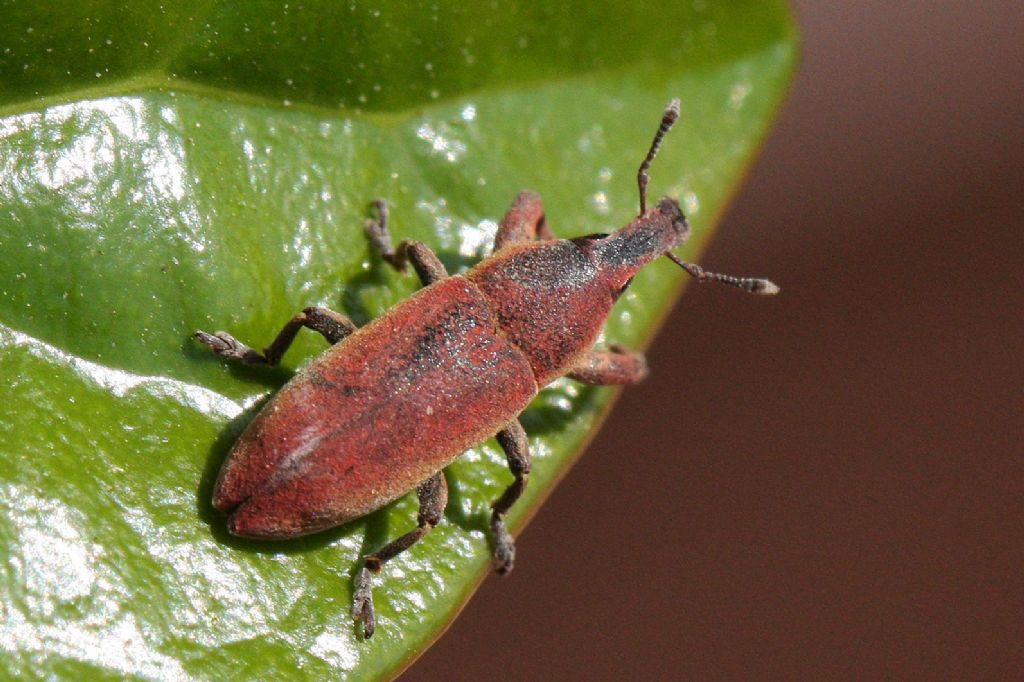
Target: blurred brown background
{"x": 843, "y": 466}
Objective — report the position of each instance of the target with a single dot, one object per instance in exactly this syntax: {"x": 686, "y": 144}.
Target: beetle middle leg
{"x": 616, "y": 366}
{"x": 433, "y": 497}
{"x": 426, "y": 263}
{"x": 517, "y": 449}
{"x": 524, "y": 221}
{"x": 331, "y": 325}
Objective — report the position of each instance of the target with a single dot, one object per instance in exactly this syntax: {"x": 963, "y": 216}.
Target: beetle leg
{"x": 427, "y": 265}
{"x": 433, "y": 497}
{"x": 517, "y": 449}
{"x": 524, "y": 221}
{"x": 615, "y": 366}
{"x": 331, "y": 325}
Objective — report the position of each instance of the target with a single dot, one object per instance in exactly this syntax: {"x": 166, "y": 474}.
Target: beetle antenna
{"x": 667, "y": 120}
{"x": 752, "y": 285}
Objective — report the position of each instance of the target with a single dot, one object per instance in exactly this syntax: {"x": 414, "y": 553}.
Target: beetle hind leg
{"x": 433, "y": 497}
{"x": 517, "y": 449}
{"x": 331, "y": 325}
{"x": 426, "y": 263}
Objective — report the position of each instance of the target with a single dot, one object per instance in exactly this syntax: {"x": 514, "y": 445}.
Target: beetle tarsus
{"x": 362, "y": 602}
{"x": 380, "y": 236}
{"x": 227, "y": 346}
{"x": 504, "y": 546}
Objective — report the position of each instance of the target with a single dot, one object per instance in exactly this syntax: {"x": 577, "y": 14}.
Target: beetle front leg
{"x": 427, "y": 265}
{"x": 331, "y": 325}
{"x": 433, "y": 497}
{"x": 517, "y": 449}
{"x": 616, "y": 366}
{"x": 524, "y": 221}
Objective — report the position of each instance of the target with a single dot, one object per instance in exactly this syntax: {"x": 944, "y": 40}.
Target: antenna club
{"x": 765, "y": 287}
{"x": 671, "y": 112}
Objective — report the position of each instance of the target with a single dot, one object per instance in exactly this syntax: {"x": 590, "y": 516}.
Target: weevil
{"x": 389, "y": 405}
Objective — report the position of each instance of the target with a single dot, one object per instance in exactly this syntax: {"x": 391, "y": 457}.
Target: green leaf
{"x": 166, "y": 167}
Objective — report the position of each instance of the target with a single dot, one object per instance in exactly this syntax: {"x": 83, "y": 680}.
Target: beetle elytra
{"x": 389, "y": 405}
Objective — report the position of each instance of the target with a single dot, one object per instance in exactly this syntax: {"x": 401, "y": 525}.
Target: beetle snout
{"x": 660, "y": 229}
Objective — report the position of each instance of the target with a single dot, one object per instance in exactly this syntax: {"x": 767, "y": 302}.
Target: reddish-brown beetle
{"x": 388, "y": 408}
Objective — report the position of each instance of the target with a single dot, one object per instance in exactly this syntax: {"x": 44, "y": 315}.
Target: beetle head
{"x": 620, "y": 255}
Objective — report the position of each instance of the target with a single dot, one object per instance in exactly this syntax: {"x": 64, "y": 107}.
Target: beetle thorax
{"x": 550, "y": 300}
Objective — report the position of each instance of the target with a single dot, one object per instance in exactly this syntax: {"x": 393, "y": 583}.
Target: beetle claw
{"x": 362, "y": 602}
